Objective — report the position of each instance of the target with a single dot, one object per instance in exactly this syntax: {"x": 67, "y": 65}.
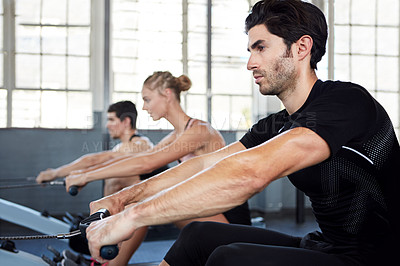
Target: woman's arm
{"x": 188, "y": 142}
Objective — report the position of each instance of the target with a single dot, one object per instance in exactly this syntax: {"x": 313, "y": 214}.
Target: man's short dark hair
{"x": 290, "y": 20}
{"x": 124, "y": 109}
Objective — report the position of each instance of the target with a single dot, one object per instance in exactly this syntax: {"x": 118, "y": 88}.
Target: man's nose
{"x": 251, "y": 63}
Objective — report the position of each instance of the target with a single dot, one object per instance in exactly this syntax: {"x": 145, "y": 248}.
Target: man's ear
{"x": 126, "y": 121}
{"x": 304, "y": 45}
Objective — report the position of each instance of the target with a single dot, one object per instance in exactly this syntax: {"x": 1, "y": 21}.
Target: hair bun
{"x": 184, "y": 83}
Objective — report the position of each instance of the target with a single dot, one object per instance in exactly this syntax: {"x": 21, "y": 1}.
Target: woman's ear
{"x": 168, "y": 93}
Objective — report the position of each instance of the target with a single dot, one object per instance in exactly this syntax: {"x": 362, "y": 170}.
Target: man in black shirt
{"x": 333, "y": 140}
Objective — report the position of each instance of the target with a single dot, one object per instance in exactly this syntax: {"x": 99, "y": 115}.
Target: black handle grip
{"x": 109, "y": 252}
{"x": 73, "y": 190}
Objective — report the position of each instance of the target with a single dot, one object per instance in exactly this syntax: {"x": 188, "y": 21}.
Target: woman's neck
{"x": 177, "y": 117}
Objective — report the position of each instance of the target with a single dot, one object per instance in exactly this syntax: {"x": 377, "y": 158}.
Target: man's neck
{"x": 296, "y": 97}
{"x": 126, "y": 136}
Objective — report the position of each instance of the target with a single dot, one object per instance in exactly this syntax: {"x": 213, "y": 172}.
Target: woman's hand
{"x": 77, "y": 179}
{"x": 47, "y": 175}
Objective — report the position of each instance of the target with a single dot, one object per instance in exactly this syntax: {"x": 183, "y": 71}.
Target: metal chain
{"x": 18, "y": 179}
{"x": 51, "y": 183}
{"x": 58, "y": 236}
{"x": 27, "y": 237}
{"x": 20, "y": 186}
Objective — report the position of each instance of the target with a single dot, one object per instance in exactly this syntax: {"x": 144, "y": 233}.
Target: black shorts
{"x": 219, "y": 244}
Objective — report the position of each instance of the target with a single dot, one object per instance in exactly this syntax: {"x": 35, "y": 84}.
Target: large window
{"x": 367, "y": 49}
{"x": 46, "y": 74}
{"x": 48, "y": 78}
{"x": 154, "y": 35}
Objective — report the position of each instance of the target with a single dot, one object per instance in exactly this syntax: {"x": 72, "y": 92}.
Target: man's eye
{"x": 260, "y": 48}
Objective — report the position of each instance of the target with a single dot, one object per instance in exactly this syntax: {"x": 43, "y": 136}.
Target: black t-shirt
{"x": 353, "y": 193}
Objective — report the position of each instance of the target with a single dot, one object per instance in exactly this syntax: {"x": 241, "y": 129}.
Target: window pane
{"x": 363, "y": 12}
{"x": 197, "y": 46}
{"x": 53, "y": 75}
{"x": 198, "y": 74}
{"x": 53, "y": 40}
{"x": 342, "y": 67}
{"x": 27, "y": 39}
{"x": 126, "y": 82}
{"x": 124, "y": 65}
{"x": 79, "y": 108}
{"x": 322, "y": 68}
{"x": 197, "y": 106}
{"x": 221, "y": 110}
{"x": 54, "y": 12}
{"x": 28, "y": 11}
{"x": 78, "y": 73}
{"x": 229, "y": 49}
{"x": 388, "y": 73}
{"x": 27, "y": 71}
{"x": 54, "y": 106}
{"x": 388, "y": 41}
{"x": 342, "y": 42}
{"x": 342, "y": 17}
{"x": 3, "y": 108}
{"x": 79, "y": 18}
{"x": 25, "y": 102}
{"x": 136, "y": 98}
{"x": 391, "y": 103}
{"x": 79, "y": 41}
{"x": 231, "y": 80}
{"x": 362, "y": 40}
{"x": 388, "y": 12}
{"x": 241, "y": 113}
{"x": 363, "y": 71}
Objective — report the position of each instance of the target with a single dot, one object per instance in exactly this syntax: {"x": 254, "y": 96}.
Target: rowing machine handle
{"x": 107, "y": 252}
{"x": 73, "y": 190}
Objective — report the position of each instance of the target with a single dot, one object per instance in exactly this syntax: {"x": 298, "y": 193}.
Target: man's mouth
{"x": 258, "y": 78}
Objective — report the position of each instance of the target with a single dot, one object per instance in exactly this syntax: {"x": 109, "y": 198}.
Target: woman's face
{"x": 154, "y": 103}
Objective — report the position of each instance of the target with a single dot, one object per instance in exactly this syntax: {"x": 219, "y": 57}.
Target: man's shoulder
{"x": 137, "y": 144}
{"x": 340, "y": 87}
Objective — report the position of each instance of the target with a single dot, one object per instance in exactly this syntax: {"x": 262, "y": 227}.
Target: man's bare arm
{"x": 171, "y": 177}
{"x": 83, "y": 162}
{"x": 222, "y": 186}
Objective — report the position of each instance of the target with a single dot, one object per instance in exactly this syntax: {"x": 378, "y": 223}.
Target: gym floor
{"x": 159, "y": 238}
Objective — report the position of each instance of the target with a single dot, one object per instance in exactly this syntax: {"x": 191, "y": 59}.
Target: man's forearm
{"x": 191, "y": 198}
{"x": 157, "y": 183}
{"x": 174, "y": 175}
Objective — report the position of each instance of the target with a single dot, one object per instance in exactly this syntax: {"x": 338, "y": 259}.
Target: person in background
{"x": 333, "y": 140}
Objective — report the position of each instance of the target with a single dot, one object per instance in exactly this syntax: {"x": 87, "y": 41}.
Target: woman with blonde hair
{"x": 190, "y": 138}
